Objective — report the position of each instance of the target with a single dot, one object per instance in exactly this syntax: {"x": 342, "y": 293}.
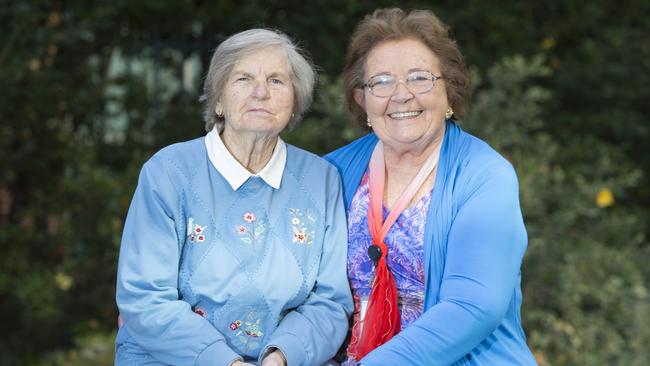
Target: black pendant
{"x": 374, "y": 252}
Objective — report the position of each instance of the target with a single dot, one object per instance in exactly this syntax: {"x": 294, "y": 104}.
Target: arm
{"x": 312, "y": 333}
{"x": 147, "y": 278}
{"x": 485, "y": 246}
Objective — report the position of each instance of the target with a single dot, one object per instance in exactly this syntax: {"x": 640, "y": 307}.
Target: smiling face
{"x": 404, "y": 120}
{"x": 258, "y": 96}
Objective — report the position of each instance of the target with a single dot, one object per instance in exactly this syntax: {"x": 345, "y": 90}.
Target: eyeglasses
{"x": 417, "y": 82}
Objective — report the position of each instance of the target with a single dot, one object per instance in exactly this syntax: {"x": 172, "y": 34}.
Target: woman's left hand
{"x": 275, "y": 358}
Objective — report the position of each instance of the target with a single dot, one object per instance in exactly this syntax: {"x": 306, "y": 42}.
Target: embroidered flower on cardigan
{"x": 200, "y": 311}
{"x": 302, "y": 226}
{"x": 253, "y": 329}
{"x": 195, "y": 232}
{"x": 235, "y": 325}
{"x": 248, "y": 331}
{"x": 299, "y": 236}
{"x": 252, "y": 230}
{"x": 249, "y": 217}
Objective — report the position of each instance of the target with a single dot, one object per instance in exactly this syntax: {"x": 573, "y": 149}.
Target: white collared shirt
{"x": 234, "y": 172}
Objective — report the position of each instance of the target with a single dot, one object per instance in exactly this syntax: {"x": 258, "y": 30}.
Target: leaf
{"x": 259, "y": 229}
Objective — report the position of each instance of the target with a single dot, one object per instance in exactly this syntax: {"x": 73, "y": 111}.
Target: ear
{"x": 360, "y": 97}
{"x": 218, "y": 109}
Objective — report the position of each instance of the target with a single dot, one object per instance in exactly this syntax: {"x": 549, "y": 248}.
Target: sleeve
{"x": 147, "y": 279}
{"x": 486, "y": 243}
{"x": 312, "y": 333}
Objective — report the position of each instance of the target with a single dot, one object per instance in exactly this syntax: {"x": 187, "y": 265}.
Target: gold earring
{"x": 368, "y": 122}
{"x": 449, "y": 113}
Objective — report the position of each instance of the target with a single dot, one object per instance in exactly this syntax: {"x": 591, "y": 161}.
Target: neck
{"x": 402, "y": 165}
{"x": 252, "y": 152}
{"x": 412, "y": 158}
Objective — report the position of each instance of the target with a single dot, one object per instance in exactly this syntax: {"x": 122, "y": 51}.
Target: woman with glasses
{"x": 435, "y": 231}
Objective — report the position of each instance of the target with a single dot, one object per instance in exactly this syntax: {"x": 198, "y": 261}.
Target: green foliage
{"x": 327, "y": 126}
{"x": 585, "y": 273}
{"x": 89, "y": 92}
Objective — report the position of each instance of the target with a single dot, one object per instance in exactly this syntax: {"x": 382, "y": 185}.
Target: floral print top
{"x": 405, "y": 241}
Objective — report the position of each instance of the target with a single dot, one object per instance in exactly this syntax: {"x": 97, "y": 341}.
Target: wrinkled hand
{"x": 275, "y": 358}
{"x": 240, "y": 363}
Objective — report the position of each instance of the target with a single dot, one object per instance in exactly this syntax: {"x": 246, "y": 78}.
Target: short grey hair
{"x": 302, "y": 74}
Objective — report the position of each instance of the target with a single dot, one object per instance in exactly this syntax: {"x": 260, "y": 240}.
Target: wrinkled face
{"x": 258, "y": 96}
{"x": 405, "y": 119}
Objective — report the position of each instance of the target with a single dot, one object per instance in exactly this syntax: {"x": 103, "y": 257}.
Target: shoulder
{"x": 183, "y": 156}
{"x": 343, "y": 155}
{"x": 178, "y": 162}
{"x": 482, "y": 156}
{"x": 479, "y": 164}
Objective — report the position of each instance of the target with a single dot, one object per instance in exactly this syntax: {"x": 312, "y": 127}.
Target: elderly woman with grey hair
{"x": 234, "y": 247}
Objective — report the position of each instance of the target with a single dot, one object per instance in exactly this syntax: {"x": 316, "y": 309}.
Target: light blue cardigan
{"x": 208, "y": 273}
{"x": 474, "y": 243}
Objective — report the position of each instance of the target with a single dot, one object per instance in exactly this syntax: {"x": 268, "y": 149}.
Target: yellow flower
{"x": 63, "y": 281}
{"x": 548, "y": 43}
{"x": 604, "y": 198}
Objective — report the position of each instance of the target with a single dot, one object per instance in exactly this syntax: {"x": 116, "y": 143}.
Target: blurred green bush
{"x": 89, "y": 92}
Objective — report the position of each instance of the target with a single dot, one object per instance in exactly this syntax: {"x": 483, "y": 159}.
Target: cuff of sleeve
{"x": 218, "y": 353}
{"x": 291, "y": 347}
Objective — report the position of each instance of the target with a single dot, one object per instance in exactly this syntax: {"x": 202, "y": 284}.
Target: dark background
{"x": 90, "y": 90}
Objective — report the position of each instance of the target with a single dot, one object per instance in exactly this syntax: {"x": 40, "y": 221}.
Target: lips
{"x": 404, "y": 115}
{"x": 260, "y": 110}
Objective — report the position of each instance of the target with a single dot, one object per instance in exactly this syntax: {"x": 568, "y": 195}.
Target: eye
{"x": 242, "y": 78}
{"x": 276, "y": 81}
{"x": 419, "y": 76}
{"x": 381, "y": 80}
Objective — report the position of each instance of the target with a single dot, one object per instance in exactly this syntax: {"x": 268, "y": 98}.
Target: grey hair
{"x": 303, "y": 76}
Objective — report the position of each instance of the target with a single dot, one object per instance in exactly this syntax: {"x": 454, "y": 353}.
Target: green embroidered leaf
{"x": 246, "y": 239}
{"x": 242, "y": 339}
{"x": 259, "y": 229}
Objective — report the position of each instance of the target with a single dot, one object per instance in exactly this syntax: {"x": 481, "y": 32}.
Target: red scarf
{"x": 382, "y": 319}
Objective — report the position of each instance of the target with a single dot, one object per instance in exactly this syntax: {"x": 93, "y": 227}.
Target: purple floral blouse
{"x": 405, "y": 254}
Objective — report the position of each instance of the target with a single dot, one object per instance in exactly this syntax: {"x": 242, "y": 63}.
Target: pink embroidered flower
{"x": 234, "y": 325}
{"x": 241, "y": 229}
{"x": 299, "y": 236}
{"x": 195, "y": 232}
{"x": 200, "y": 311}
{"x": 249, "y": 217}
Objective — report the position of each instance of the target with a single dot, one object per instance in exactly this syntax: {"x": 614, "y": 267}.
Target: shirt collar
{"x": 234, "y": 172}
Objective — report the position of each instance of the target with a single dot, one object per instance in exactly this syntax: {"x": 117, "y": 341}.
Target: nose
{"x": 261, "y": 90}
{"x": 402, "y": 94}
